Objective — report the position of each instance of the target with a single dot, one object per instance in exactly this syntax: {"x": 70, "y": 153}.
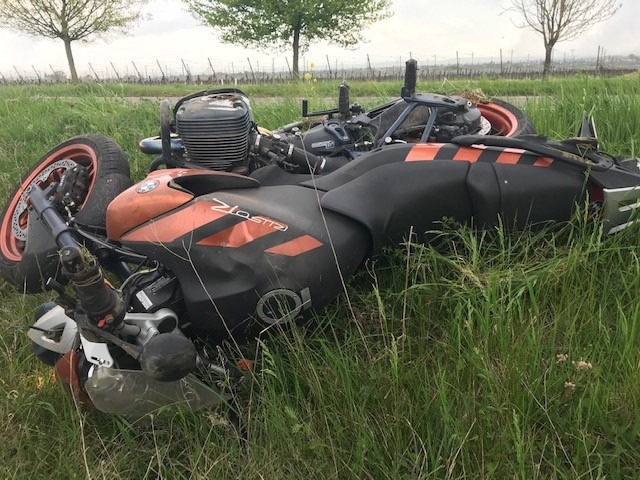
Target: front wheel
{"x": 27, "y": 259}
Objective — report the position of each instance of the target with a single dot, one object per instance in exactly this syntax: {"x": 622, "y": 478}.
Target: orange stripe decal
{"x": 468, "y": 154}
{"x": 295, "y": 247}
{"x": 237, "y": 235}
{"x": 423, "y": 151}
{"x": 173, "y": 226}
{"x": 543, "y": 162}
{"x": 511, "y": 156}
{"x": 508, "y": 158}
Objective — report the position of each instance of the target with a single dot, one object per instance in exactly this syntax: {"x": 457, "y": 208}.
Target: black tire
{"x": 28, "y": 258}
{"x": 521, "y": 126}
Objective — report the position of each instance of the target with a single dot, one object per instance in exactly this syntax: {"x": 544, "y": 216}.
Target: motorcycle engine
{"x": 215, "y": 129}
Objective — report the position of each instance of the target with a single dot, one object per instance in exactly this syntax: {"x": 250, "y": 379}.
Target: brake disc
{"x": 20, "y": 231}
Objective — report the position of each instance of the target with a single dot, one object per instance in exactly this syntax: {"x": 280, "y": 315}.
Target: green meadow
{"x": 491, "y": 354}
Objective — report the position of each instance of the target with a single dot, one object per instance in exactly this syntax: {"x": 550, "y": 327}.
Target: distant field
{"x": 494, "y": 355}
{"x": 629, "y": 84}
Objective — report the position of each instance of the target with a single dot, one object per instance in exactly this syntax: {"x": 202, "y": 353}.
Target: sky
{"x": 476, "y": 29}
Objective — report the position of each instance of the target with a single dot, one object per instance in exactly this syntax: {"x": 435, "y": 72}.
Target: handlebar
{"x": 286, "y": 154}
{"x": 46, "y": 210}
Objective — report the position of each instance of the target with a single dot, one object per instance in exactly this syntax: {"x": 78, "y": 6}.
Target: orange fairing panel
{"x": 238, "y": 235}
{"x": 163, "y": 191}
{"x": 174, "y": 225}
{"x": 296, "y": 247}
{"x": 144, "y": 201}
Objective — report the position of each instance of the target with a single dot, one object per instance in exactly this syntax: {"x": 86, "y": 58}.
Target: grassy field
{"x": 628, "y": 84}
{"x": 494, "y": 355}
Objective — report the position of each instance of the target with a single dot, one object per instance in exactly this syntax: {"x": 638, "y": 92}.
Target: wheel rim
{"x": 13, "y": 233}
{"x": 503, "y": 122}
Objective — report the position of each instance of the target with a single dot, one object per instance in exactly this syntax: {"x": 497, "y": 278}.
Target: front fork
{"x": 166, "y": 357}
{"x": 96, "y": 298}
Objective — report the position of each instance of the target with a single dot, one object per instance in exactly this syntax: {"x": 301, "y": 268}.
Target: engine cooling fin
{"x": 215, "y": 130}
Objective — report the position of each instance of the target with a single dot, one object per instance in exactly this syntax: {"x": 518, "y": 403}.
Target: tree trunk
{"x": 548, "y": 50}
{"x": 296, "y": 53}
{"x": 72, "y": 64}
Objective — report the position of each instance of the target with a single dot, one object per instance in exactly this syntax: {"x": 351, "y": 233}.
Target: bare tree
{"x": 69, "y": 20}
{"x": 561, "y": 20}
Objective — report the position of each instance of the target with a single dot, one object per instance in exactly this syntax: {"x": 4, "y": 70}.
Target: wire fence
{"x": 248, "y": 71}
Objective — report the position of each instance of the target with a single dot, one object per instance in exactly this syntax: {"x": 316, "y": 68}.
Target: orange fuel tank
{"x": 163, "y": 191}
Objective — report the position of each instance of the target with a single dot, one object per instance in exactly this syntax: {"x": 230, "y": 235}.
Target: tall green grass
{"x": 482, "y": 355}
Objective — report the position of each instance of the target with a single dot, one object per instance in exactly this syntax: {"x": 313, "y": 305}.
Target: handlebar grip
{"x": 305, "y": 159}
{"x": 61, "y": 232}
{"x": 280, "y": 150}
{"x": 410, "y": 78}
{"x": 305, "y": 107}
{"x": 343, "y": 100}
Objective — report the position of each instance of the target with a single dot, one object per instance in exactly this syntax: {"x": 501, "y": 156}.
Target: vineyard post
{"x": 19, "y": 76}
{"x": 115, "y": 71}
{"x": 137, "y": 71}
{"x": 288, "y": 66}
{"x": 37, "y": 74}
{"x": 94, "y": 73}
{"x": 251, "y": 68}
{"x": 164, "y": 78}
{"x": 187, "y": 71}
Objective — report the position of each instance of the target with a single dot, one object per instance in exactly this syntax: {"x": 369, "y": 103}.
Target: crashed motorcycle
{"x": 212, "y": 129}
{"x": 252, "y": 229}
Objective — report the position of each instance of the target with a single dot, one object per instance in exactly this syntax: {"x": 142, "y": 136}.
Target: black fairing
{"x": 394, "y": 195}
{"x": 255, "y": 274}
{"x": 391, "y": 199}
{"x": 535, "y": 196}
{"x": 223, "y": 285}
